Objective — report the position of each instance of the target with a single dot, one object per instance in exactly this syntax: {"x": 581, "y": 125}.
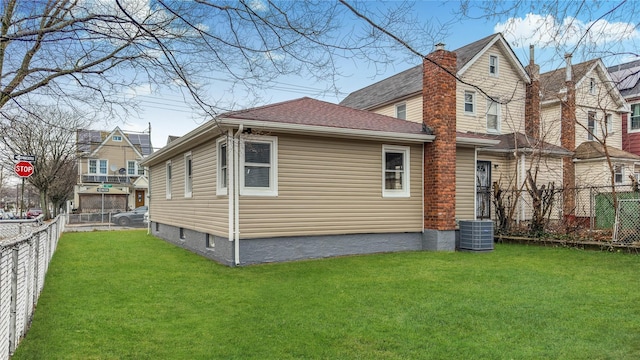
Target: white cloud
{"x": 546, "y": 31}
{"x": 258, "y": 6}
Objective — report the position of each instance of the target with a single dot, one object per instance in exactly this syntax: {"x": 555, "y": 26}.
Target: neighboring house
{"x": 110, "y": 177}
{"x": 627, "y": 79}
{"x": 491, "y": 99}
{"x": 582, "y": 110}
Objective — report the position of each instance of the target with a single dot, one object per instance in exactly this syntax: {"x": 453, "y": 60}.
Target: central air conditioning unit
{"x": 476, "y": 235}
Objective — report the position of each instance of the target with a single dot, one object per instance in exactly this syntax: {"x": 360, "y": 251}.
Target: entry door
{"x": 483, "y": 189}
{"x": 139, "y": 198}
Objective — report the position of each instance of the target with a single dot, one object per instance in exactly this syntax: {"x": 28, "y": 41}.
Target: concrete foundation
{"x": 439, "y": 240}
{"x": 265, "y": 250}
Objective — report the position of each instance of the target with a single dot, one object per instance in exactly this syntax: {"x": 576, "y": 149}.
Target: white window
{"x": 132, "y": 168}
{"x": 493, "y": 65}
{"x": 592, "y": 86}
{"x": 395, "y": 171}
{"x": 223, "y": 169}
{"x": 608, "y": 119}
{"x": 93, "y": 166}
{"x": 618, "y": 173}
{"x": 401, "y": 111}
{"x": 469, "y": 102}
{"x": 493, "y": 116}
{"x": 140, "y": 170}
{"x": 188, "y": 175}
{"x": 259, "y": 166}
{"x": 591, "y": 125}
{"x": 103, "y": 166}
{"x": 117, "y": 138}
{"x": 634, "y": 118}
{"x": 169, "y": 179}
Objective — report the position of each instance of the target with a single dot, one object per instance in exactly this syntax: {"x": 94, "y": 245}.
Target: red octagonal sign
{"x": 23, "y": 169}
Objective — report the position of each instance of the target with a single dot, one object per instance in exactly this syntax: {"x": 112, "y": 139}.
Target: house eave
{"x": 475, "y": 142}
{"x": 327, "y": 131}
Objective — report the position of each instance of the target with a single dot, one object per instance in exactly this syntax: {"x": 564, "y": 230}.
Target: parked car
{"x": 34, "y": 213}
{"x": 9, "y": 215}
{"x": 130, "y": 217}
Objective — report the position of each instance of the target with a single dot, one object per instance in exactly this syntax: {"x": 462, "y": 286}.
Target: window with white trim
{"x": 493, "y": 116}
{"x": 634, "y": 117}
{"x": 608, "y": 121}
{"x": 132, "y": 168}
{"x": 401, "y": 111}
{"x": 98, "y": 166}
{"x": 169, "y": 179}
{"x": 93, "y": 166}
{"x": 188, "y": 175}
{"x": 395, "y": 171}
{"x": 493, "y": 65}
{"x": 618, "y": 174}
{"x": 469, "y": 102}
{"x": 258, "y": 162}
{"x": 223, "y": 169}
{"x": 591, "y": 125}
{"x": 117, "y": 138}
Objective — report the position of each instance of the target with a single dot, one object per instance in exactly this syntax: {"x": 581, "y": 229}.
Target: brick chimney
{"x": 568, "y": 141}
{"x": 439, "y": 113}
{"x": 532, "y": 102}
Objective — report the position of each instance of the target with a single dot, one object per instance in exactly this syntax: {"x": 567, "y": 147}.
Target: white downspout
{"x": 230, "y": 183}
{"x": 524, "y": 179}
{"x": 236, "y": 193}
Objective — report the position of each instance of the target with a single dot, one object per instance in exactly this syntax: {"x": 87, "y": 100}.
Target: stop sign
{"x": 23, "y": 169}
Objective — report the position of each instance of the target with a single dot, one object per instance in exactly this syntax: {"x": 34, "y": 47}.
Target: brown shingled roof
{"x": 518, "y": 141}
{"x": 595, "y": 150}
{"x": 408, "y": 82}
{"x": 553, "y": 82}
{"x": 312, "y": 112}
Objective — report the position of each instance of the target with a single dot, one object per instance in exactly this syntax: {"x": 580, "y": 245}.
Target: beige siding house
{"x": 110, "y": 177}
{"x": 293, "y": 180}
{"x": 599, "y": 108}
{"x": 490, "y": 104}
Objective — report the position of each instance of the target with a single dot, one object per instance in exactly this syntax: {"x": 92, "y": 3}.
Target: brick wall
{"x": 532, "y": 102}
{"x": 439, "y": 113}
{"x": 568, "y": 141}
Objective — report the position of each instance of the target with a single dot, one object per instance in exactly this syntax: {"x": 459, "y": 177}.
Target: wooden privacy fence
{"x": 24, "y": 260}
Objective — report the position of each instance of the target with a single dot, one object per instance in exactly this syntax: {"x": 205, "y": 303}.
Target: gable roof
{"x": 553, "y": 84}
{"x": 592, "y": 150}
{"x": 409, "y": 82}
{"x": 627, "y": 78}
{"x": 86, "y": 140}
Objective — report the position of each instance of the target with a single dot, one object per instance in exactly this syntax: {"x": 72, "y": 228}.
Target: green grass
{"x": 127, "y": 295}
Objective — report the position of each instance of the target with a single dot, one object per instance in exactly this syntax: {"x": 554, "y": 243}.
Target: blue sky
{"x": 552, "y": 37}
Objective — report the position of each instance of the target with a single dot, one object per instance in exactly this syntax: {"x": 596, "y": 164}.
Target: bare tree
{"x": 74, "y": 53}
{"x": 52, "y": 143}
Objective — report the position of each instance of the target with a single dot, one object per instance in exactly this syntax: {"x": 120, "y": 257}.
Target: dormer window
{"x": 401, "y": 111}
{"x": 117, "y": 138}
{"x": 493, "y": 65}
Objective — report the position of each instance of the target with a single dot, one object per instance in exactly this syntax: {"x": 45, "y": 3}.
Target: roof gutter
{"x": 476, "y": 142}
{"x": 329, "y": 131}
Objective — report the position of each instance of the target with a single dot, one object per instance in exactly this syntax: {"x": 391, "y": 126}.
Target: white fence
{"x": 24, "y": 260}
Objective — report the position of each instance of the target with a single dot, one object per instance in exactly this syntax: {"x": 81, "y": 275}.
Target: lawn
{"x": 128, "y": 295}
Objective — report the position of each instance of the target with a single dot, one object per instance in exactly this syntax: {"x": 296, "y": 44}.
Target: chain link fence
{"x": 24, "y": 261}
{"x": 593, "y": 215}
